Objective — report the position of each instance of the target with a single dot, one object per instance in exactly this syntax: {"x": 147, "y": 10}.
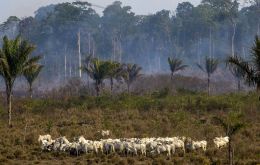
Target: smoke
{"x": 57, "y": 41}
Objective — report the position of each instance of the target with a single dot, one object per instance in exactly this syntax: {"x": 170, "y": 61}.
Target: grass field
{"x": 156, "y": 115}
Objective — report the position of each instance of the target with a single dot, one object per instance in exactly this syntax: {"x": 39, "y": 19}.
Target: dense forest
{"x": 67, "y": 32}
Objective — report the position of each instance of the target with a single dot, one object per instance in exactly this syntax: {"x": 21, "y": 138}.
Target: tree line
{"x": 99, "y": 70}
{"x": 214, "y": 28}
{"x": 16, "y": 60}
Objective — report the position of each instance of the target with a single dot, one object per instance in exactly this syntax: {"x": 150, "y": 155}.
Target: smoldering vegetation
{"x": 65, "y": 31}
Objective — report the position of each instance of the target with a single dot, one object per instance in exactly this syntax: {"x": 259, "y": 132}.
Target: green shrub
{"x": 183, "y": 91}
{"x": 162, "y": 93}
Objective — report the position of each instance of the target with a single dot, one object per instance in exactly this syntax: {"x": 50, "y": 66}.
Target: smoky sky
{"x": 23, "y": 8}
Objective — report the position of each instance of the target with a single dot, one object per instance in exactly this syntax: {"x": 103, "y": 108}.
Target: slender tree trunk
{"x": 111, "y": 85}
{"x": 233, "y": 39}
{"x": 93, "y": 49}
{"x": 30, "y": 91}
{"x": 159, "y": 63}
{"x": 233, "y": 155}
{"x": 258, "y": 28}
{"x": 198, "y": 50}
{"x": 120, "y": 52}
{"x": 210, "y": 42}
{"x": 65, "y": 67}
{"x": 244, "y": 52}
{"x": 114, "y": 49}
{"x": 97, "y": 88}
{"x": 70, "y": 67}
{"x": 213, "y": 47}
{"x": 150, "y": 65}
{"x": 230, "y": 158}
{"x": 9, "y": 102}
{"x": 89, "y": 50}
{"x": 79, "y": 52}
{"x": 208, "y": 84}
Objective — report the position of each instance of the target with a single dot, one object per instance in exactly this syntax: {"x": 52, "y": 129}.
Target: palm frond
{"x": 4, "y": 69}
{"x": 247, "y": 71}
{"x": 87, "y": 60}
{"x": 15, "y": 58}
{"x": 231, "y": 123}
{"x": 176, "y": 64}
{"x": 211, "y": 65}
{"x": 97, "y": 70}
{"x": 255, "y": 51}
{"x": 182, "y": 67}
{"x": 32, "y": 61}
{"x": 200, "y": 67}
{"x": 32, "y": 73}
{"x": 131, "y": 73}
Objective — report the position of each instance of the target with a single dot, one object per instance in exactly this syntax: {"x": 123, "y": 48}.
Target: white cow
{"x": 220, "y": 141}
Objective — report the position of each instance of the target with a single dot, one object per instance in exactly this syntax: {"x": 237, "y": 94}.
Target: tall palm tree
{"x": 30, "y": 75}
{"x": 250, "y": 69}
{"x": 15, "y": 60}
{"x": 211, "y": 65}
{"x": 175, "y": 65}
{"x": 232, "y": 124}
{"x": 131, "y": 73}
{"x": 98, "y": 71}
{"x": 115, "y": 72}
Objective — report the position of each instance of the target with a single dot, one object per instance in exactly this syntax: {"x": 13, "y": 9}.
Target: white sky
{"x": 23, "y": 8}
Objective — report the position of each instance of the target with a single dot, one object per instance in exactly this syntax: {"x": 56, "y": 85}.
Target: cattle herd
{"x": 128, "y": 146}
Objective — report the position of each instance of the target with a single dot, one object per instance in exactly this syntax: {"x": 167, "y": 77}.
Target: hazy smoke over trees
{"x": 215, "y": 28}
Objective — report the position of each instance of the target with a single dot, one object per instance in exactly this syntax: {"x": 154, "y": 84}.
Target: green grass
{"x": 187, "y": 102}
{"x": 157, "y": 114}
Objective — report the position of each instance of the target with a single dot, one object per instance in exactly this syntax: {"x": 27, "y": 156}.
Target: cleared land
{"x": 155, "y": 115}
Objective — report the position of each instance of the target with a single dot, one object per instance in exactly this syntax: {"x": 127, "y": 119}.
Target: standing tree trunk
{"x": 93, "y": 50}
{"x": 89, "y": 50}
{"x": 79, "y": 52}
{"x": 159, "y": 63}
{"x": 120, "y": 52}
{"x": 30, "y": 91}
{"x": 230, "y": 158}
{"x": 208, "y": 84}
{"x": 210, "y": 42}
{"x": 258, "y": 28}
{"x": 114, "y": 49}
{"x": 65, "y": 67}
{"x": 233, "y": 39}
{"x": 97, "y": 88}
{"x": 111, "y": 85}
{"x": 9, "y": 102}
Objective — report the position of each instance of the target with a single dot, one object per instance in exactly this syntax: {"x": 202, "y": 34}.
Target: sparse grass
{"x": 157, "y": 114}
